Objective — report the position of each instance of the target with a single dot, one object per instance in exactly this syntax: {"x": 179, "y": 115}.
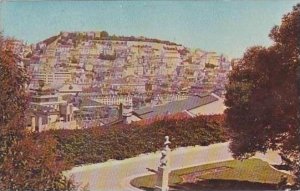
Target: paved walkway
{"x": 116, "y": 175}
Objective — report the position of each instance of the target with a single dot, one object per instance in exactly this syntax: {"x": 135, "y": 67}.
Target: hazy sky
{"x": 227, "y": 27}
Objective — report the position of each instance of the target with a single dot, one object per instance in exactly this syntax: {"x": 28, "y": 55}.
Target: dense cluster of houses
{"x": 120, "y": 66}
{"x": 80, "y": 80}
{"x": 50, "y": 109}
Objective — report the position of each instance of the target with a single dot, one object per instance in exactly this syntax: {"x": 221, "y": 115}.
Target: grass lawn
{"x": 227, "y": 175}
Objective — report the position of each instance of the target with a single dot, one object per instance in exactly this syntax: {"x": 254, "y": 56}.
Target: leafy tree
{"x": 114, "y": 37}
{"x": 13, "y": 99}
{"x": 34, "y": 165}
{"x": 104, "y": 34}
{"x": 25, "y": 164}
{"x": 263, "y": 98}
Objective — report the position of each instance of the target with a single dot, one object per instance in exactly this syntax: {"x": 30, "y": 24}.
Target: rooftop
{"x": 175, "y": 106}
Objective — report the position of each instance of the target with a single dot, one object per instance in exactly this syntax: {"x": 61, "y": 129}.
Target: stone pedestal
{"x": 162, "y": 173}
{"x": 162, "y": 179}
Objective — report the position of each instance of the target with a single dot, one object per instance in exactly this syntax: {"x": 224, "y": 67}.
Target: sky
{"x": 224, "y": 26}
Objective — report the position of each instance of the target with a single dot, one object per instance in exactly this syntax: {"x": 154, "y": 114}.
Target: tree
{"x": 263, "y": 98}
{"x": 13, "y": 98}
{"x": 25, "y": 163}
{"x": 104, "y": 34}
{"x": 32, "y": 164}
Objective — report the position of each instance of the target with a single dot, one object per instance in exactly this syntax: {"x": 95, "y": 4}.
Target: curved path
{"x": 116, "y": 175}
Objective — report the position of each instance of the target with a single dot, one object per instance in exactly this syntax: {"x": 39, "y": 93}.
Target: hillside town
{"x": 149, "y": 95}
{"x": 85, "y": 79}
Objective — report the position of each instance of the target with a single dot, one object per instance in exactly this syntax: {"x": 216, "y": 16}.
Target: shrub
{"x": 100, "y": 144}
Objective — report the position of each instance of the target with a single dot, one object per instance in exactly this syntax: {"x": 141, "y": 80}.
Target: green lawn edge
{"x": 250, "y": 170}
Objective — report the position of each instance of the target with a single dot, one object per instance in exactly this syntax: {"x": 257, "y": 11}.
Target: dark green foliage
{"x": 34, "y": 165}
{"x": 104, "y": 34}
{"x": 13, "y": 98}
{"x": 252, "y": 174}
{"x": 50, "y": 40}
{"x": 107, "y": 56}
{"x": 25, "y": 164}
{"x": 224, "y": 185}
{"x": 263, "y": 98}
{"x": 208, "y": 65}
{"x": 119, "y": 142}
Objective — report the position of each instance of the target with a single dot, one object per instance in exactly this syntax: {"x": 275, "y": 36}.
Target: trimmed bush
{"x": 96, "y": 145}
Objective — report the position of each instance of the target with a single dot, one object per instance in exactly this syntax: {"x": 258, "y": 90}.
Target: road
{"x": 116, "y": 175}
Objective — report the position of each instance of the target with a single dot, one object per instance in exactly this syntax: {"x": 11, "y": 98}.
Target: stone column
{"x": 40, "y": 123}
{"x": 164, "y": 168}
{"x": 33, "y": 123}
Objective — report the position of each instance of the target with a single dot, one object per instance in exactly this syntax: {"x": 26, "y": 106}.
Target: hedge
{"x": 100, "y": 144}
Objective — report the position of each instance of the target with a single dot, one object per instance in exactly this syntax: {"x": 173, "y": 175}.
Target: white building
{"x": 49, "y": 111}
{"x": 114, "y": 100}
{"x": 51, "y": 78}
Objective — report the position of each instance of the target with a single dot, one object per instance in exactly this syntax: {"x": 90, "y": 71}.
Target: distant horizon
{"x": 226, "y": 27}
